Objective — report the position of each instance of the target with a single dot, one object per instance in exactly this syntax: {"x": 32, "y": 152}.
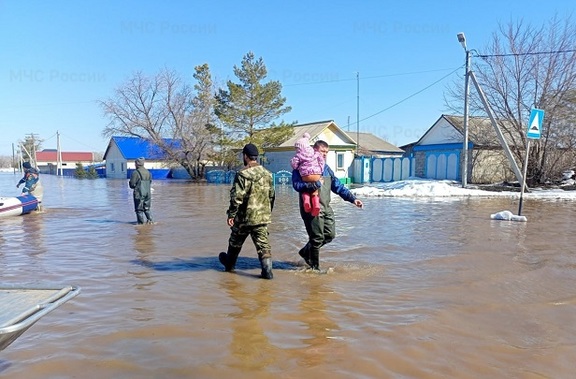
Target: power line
{"x": 412, "y": 95}
{"x": 79, "y": 142}
{"x": 367, "y": 77}
{"x": 524, "y": 54}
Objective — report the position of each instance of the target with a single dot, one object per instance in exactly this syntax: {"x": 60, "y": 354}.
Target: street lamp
{"x": 462, "y": 40}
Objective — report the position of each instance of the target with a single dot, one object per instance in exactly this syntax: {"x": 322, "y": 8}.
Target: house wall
{"x": 490, "y": 166}
{"x": 118, "y": 167}
{"x": 280, "y": 160}
{"x": 420, "y": 164}
{"x": 151, "y": 165}
{"x": 484, "y": 166}
{"x": 115, "y": 164}
{"x": 441, "y": 133}
{"x": 345, "y": 170}
{"x": 51, "y": 167}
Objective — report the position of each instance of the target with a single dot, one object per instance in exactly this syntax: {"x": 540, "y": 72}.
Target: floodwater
{"x": 419, "y": 289}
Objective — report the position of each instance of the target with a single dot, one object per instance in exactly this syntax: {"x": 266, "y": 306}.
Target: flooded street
{"x": 420, "y": 288}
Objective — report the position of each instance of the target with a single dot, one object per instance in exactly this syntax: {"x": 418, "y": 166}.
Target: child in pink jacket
{"x": 310, "y": 164}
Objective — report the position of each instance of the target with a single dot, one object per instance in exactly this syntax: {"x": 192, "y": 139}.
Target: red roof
{"x": 67, "y": 156}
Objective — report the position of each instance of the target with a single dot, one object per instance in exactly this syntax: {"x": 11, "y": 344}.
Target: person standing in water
{"x": 310, "y": 164}
{"x": 321, "y": 229}
{"x": 141, "y": 183}
{"x": 251, "y": 201}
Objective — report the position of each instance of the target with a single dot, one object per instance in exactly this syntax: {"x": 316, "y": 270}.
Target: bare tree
{"x": 164, "y": 110}
{"x": 6, "y": 161}
{"x": 527, "y": 67}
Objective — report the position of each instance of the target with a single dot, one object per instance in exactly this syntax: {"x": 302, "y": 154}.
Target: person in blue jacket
{"x": 30, "y": 179}
{"x": 321, "y": 229}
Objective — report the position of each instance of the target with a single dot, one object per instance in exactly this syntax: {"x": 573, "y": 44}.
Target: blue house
{"x": 438, "y": 153}
{"x": 123, "y": 151}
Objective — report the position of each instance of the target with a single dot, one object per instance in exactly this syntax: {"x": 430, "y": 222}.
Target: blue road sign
{"x": 535, "y": 124}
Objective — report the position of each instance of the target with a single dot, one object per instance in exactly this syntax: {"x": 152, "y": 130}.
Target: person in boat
{"x": 251, "y": 201}
{"x": 141, "y": 183}
{"x": 31, "y": 181}
{"x": 321, "y": 228}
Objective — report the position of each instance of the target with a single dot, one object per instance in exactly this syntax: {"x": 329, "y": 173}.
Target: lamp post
{"x": 462, "y": 40}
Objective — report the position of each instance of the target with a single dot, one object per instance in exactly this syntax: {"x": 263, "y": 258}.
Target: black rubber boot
{"x": 315, "y": 259}
{"x": 305, "y": 254}
{"x": 140, "y": 217}
{"x": 266, "y": 263}
{"x": 229, "y": 259}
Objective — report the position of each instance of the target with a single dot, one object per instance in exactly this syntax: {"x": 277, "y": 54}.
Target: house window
{"x": 112, "y": 167}
{"x": 339, "y": 161}
{"x": 122, "y": 167}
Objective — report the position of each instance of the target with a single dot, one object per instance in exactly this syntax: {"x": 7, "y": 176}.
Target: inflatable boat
{"x": 19, "y": 205}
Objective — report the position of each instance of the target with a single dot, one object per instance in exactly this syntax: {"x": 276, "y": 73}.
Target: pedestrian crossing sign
{"x": 535, "y": 124}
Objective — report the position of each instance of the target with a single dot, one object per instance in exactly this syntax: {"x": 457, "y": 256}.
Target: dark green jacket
{"x": 252, "y": 196}
{"x": 140, "y": 182}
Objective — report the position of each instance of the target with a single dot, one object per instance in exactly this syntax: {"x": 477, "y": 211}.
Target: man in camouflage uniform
{"x": 250, "y": 211}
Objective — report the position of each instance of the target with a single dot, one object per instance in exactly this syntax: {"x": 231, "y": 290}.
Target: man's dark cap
{"x": 251, "y": 150}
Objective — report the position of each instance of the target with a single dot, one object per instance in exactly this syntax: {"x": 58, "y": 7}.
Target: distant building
{"x": 373, "y": 146}
{"x": 438, "y": 153}
{"x": 47, "y": 160}
{"x": 340, "y": 156}
{"x": 123, "y": 151}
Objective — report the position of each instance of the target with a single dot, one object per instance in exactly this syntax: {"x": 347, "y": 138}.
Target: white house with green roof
{"x": 340, "y": 156}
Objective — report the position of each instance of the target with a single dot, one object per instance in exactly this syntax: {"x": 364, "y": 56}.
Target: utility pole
{"x": 470, "y": 76}
{"x": 357, "y": 112}
{"x": 462, "y": 40}
{"x": 13, "y": 158}
{"x": 58, "y": 155}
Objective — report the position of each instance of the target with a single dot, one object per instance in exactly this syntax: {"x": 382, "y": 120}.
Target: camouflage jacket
{"x": 252, "y": 196}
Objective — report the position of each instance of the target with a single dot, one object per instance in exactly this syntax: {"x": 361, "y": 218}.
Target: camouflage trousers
{"x": 259, "y": 234}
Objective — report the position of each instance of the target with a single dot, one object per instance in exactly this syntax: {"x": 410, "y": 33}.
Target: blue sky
{"x": 60, "y": 57}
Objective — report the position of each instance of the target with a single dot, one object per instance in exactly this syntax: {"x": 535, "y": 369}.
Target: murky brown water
{"x": 420, "y": 289}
